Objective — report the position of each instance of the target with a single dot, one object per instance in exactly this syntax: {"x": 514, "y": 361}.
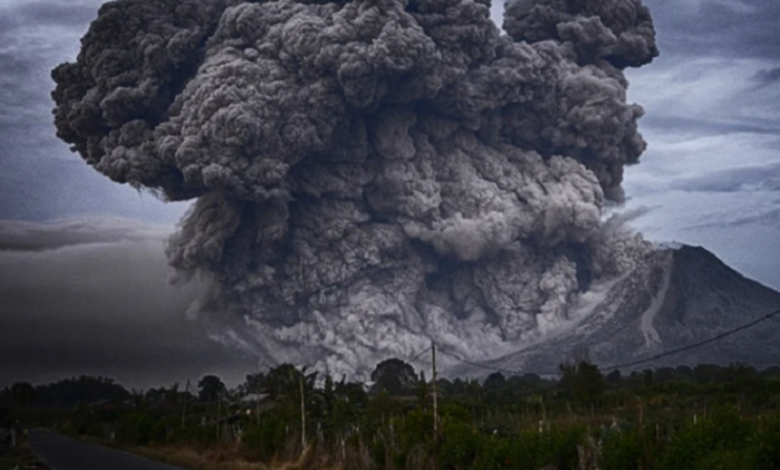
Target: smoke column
{"x": 368, "y": 174}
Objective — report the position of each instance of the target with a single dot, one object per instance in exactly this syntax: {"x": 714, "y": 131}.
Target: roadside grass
{"x": 224, "y": 458}
{"x": 20, "y": 458}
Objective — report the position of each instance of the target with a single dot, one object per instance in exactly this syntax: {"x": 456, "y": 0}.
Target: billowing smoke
{"x": 372, "y": 173}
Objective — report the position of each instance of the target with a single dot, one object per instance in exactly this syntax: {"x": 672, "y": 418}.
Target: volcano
{"x": 675, "y": 297}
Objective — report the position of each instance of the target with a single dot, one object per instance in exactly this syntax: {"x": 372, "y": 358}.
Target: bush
{"x": 621, "y": 450}
{"x": 765, "y": 445}
{"x": 195, "y": 436}
{"x": 265, "y": 440}
{"x": 459, "y": 447}
{"x": 140, "y": 428}
{"x": 719, "y": 441}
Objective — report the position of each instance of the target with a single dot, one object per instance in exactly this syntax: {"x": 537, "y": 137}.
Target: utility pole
{"x": 184, "y": 409}
{"x": 258, "y": 391}
{"x": 435, "y": 396}
{"x": 303, "y": 417}
{"x": 219, "y": 411}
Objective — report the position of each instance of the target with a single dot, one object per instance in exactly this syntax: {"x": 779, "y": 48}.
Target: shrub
{"x": 459, "y": 447}
{"x": 717, "y": 440}
{"x": 139, "y": 428}
{"x": 621, "y": 450}
{"x": 765, "y": 445}
{"x": 266, "y": 439}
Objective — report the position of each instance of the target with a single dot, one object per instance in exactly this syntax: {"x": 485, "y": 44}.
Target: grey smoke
{"x": 369, "y": 174}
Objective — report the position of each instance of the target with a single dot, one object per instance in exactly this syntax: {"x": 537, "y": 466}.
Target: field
{"x": 706, "y": 417}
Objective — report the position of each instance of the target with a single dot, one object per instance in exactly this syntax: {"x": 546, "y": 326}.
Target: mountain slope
{"x": 674, "y": 297}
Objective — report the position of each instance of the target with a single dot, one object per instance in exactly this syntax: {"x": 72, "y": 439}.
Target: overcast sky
{"x": 711, "y": 177}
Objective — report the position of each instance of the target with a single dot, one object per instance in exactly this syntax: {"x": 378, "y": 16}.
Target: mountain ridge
{"x": 675, "y": 297}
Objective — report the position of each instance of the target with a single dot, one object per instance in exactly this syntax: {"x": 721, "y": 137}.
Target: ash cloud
{"x": 369, "y": 174}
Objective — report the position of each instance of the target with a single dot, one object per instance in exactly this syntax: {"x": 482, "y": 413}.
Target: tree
{"x": 284, "y": 382}
{"x": 583, "y": 381}
{"x": 5, "y": 416}
{"x": 349, "y": 401}
{"x": 770, "y": 372}
{"x": 647, "y": 378}
{"x": 708, "y": 373}
{"x": 83, "y": 389}
{"x": 664, "y": 375}
{"x": 422, "y": 390}
{"x": 395, "y": 377}
{"x": 210, "y": 388}
{"x": 495, "y": 381}
{"x": 614, "y": 378}
{"x": 683, "y": 373}
{"x": 23, "y": 394}
{"x": 254, "y": 383}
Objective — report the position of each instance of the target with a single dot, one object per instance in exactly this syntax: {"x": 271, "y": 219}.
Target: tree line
{"x": 651, "y": 419}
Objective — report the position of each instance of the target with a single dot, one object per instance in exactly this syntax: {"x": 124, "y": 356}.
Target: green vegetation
{"x": 707, "y": 417}
{"x": 20, "y": 458}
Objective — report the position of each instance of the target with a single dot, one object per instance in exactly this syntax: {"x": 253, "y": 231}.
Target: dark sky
{"x": 82, "y": 268}
{"x": 92, "y": 297}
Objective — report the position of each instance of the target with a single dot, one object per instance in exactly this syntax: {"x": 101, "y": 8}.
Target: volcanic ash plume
{"x": 368, "y": 174}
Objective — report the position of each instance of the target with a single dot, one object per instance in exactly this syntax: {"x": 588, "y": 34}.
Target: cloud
{"x": 767, "y": 77}
{"x": 741, "y": 227}
{"x": 40, "y": 178}
{"x": 734, "y": 29}
{"x": 58, "y": 14}
{"x": 34, "y": 37}
{"x": 31, "y": 236}
{"x": 707, "y": 90}
{"x": 708, "y": 126}
{"x": 743, "y": 178}
{"x": 681, "y": 156}
{"x": 91, "y": 296}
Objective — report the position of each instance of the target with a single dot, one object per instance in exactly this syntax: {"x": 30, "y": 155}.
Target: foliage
{"x": 671, "y": 418}
{"x": 68, "y": 392}
{"x": 395, "y": 377}
{"x": 140, "y": 428}
{"x": 264, "y": 440}
{"x": 210, "y": 388}
{"x": 583, "y": 382}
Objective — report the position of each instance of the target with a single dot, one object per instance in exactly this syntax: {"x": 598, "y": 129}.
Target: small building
{"x": 252, "y": 403}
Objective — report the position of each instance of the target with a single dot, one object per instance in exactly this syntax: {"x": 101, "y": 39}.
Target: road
{"x": 62, "y": 453}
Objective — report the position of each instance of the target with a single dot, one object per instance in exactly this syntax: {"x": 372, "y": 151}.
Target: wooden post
{"x": 303, "y": 417}
{"x": 184, "y": 409}
{"x": 219, "y": 411}
{"x": 435, "y": 395}
{"x": 258, "y": 391}
{"x": 641, "y": 415}
{"x": 257, "y": 410}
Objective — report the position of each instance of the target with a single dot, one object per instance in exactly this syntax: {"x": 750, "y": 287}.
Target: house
{"x": 252, "y": 403}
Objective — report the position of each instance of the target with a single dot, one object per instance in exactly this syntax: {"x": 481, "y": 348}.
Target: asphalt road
{"x": 62, "y": 453}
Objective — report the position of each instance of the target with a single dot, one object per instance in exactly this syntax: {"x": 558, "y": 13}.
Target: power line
{"x": 417, "y": 356}
{"x": 477, "y": 364}
{"x": 655, "y": 357}
{"x": 694, "y": 345}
